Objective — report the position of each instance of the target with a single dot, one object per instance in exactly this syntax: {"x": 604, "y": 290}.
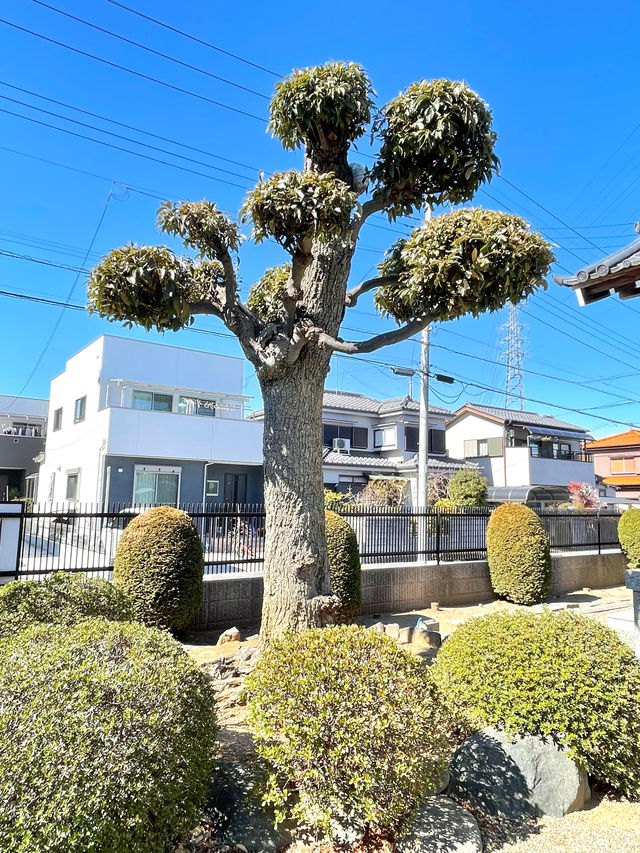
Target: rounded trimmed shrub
{"x": 559, "y": 675}
{"x": 352, "y": 730}
{"x": 159, "y": 565}
{"x": 518, "y": 554}
{"x": 344, "y": 565}
{"x": 106, "y": 739}
{"x": 629, "y": 536}
{"x": 61, "y": 598}
{"x": 468, "y": 487}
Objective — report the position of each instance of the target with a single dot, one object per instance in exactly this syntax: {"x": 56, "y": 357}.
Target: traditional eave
{"x": 617, "y": 273}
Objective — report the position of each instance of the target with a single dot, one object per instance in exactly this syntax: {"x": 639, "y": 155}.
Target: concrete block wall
{"x": 237, "y": 600}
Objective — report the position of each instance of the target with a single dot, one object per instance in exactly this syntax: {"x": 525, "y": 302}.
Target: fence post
{"x": 599, "y": 535}
{"x": 11, "y": 520}
{"x": 437, "y": 515}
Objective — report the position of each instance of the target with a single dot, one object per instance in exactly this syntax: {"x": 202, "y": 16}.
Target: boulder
{"x": 527, "y": 777}
{"x": 231, "y": 635}
{"x": 442, "y": 826}
{"x": 378, "y": 627}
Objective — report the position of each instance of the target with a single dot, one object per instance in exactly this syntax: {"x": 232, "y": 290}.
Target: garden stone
{"x": 442, "y": 784}
{"x": 404, "y": 635}
{"x": 528, "y": 777}
{"x": 392, "y": 630}
{"x": 378, "y": 627}
{"x": 442, "y": 826}
{"x": 231, "y": 635}
{"x": 427, "y": 639}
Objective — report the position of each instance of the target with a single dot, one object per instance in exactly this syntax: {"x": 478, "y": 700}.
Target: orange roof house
{"x": 616, "y": 459}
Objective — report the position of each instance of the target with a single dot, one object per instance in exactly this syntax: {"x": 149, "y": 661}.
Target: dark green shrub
{"x": 106, "y": 736}
{"x": 563, "y": 676}
{"x": 468, "y": 488}
{"x": 518, "y": 554}
{"x": 629, "y": 536}
{"x": 159, "y": 565}
{"x": 351, "y": 728}
{"x": 344, "y": 565}
{"x": 61, "y": 598}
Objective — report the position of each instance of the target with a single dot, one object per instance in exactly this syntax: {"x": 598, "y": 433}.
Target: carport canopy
{"x": 527, "y": 494}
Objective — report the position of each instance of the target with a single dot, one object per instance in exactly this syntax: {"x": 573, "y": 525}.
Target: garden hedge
{"x": 62, "y": 598}
{"x": 344, "y": 565}
{"x": 629, "y": 535}
{"x": 351, "y": 728}
{"x": 468, "y": 488}
{"x": 559, "y": 675}
{"x": 106, "y": 737}
{"x": 518, "y": 554}
{"x": 159, "y": 565}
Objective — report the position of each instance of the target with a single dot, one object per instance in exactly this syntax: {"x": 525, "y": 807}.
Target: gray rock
{"x": 392, "y": 630}
{"x": 427, "y": 639}
{"x": 526, "y": 778}
{"x": 378, "y": 627}
{"x": 442, "y": 826}
{"x": 231, "y": 635}
{"x": 442, "y": 784}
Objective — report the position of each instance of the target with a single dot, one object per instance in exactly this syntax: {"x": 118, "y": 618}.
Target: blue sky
{"x": 564, "y": 98}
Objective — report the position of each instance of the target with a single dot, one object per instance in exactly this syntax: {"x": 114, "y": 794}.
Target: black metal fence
{"x": 62, "y": 537}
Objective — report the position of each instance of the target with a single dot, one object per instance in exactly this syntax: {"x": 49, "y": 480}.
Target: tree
{"x": 468, "y": 488}
{"x": 436, "y": 147}
{"x": 584, "y": 496}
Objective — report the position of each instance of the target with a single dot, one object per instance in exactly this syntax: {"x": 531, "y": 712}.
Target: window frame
{"x": 382, "y": 445}
{"x": 623, "y": 460}
{"x": 73, "y": 473}
{"x": 157, "y": 470}
{"x": 153, "y": 395}
{"x": 80, "y": 409}
{"x": 57, "y": 420}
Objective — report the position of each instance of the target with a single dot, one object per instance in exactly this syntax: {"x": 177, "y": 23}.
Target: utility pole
{"x": 423, "y": 431}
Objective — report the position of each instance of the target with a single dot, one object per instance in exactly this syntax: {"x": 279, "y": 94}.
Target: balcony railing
{"x": 566, "y": 456}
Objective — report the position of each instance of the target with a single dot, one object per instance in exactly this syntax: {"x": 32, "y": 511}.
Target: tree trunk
{"x": 296, "y": 575}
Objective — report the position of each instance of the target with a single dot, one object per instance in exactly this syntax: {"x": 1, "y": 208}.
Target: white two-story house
{"x": 525, "y": 456}
{"x": 138, "y": 423}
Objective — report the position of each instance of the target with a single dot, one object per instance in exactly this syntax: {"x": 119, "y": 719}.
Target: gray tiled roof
{"x": 362, "y": 403}
{"x": 515, "y": 416}
{"x": 366, "y": 460}
{"x": 619, "y": 260}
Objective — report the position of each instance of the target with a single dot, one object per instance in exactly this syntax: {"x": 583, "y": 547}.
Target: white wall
{"x": 468, "y": 427}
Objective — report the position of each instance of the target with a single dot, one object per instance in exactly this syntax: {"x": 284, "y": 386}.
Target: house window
{"x": 57, "y": 420}
{"x": 80, "y": 410}
{"x": 212, "y": 489}
{"x": 551, "y": 450}
{"x": 149, "y": 401}
{"x": 197, "y": 406}
{"x": 623, "y": 465}
{"x": 358, "y": 436}
{"x": 483, "y": 447}
{"x": 436, "y": 440}
{"x": 154, "y": 485}
{"x": 73, "y": 480}
{"x": 384, "y": 437}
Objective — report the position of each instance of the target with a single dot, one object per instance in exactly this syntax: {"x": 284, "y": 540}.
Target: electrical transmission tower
{"x": 513, "y": 354}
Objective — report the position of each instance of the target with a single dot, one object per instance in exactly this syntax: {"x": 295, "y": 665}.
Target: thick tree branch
{"x": 206, "y": 306}
{"x": 356, "y": 292}
{"x": 299, "y": 263}
{"x": 378, "y": 341}
{"x": 374, "y": 205}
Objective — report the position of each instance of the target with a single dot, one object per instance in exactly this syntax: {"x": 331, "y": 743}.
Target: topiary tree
{"x": 436, "y": 147}
{"x": 159, "y": 565}
{"x": 518, "y": 554}
{"x": 344, "y": 567}
{"x": 106, "y": 739}
{"x": 561, "y": 675}
{"x": 351, "y": 729}
{"x": 468, "y": 487}
{"x": 61, "y": 598}
{"x": 629, "y": 536}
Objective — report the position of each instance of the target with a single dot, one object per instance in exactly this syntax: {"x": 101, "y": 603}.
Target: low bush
{"x": 106, "y": 736}
{"x": 351, "y": 728}
{"x": 61, "y": 598}
{"x": 559, "y": 675}
{"x": 629, "y": 536}
{"x": 344, "y": 565}
{"x": 468, "y": 487}
{"x": 518, "y": 554}
{"x": 159, "y": 566}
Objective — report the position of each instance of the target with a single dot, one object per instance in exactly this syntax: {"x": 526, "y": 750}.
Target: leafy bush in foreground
{"x": 106, "y": 735}
{"x": 351, "y": 728}
{"x": 518, "y": 554}
{"x": 344, "y": 565}
{"x": 61, "y": 598}
{"x": 629, "y": 535}
{"x": 561, "y": 675}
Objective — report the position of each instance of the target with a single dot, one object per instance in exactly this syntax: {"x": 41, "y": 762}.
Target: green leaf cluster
{"x": 106, "y": 739}
{"x": 159, "y": 566}
{"x": 437, "y": 146}
{"x": 467, "y": 261}
{"x": 294, "y": 206}
{"x": 266, "y": 295}
{"x": 467, "y": 488}
{"x": 331, "y": 100}
{"x": 61, "y": 598}
{"x": 344, "y": 565}
{"x": 351, "y": 728}
{"x": 200, "y": 225}
{"x": 150, "y": 286}
{"x": 518, "y": 554}
{"x": 629, "y": 536}
{"x": 561, "y": 675}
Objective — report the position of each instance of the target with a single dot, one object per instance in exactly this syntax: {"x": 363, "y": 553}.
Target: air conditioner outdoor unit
{"x": 342, "y": 445}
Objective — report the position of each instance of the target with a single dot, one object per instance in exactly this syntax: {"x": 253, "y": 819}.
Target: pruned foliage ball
{"x": 351, "y": 728}
{"x": 437, "y": 146}
{"x": 518, "y": 554}
{"x": 629, "y": 536}
{"x": 562, "y": 676}
{"x": 159, "y": 565}
{"x": 344, "y": 565}
{"x": 296, "y": 206}
{"x": 267, "y": 294}
{"x": 468, "y": 488}
{"x": 201, "y": 225}
{"x": 323, "y": 102}
{"x": 465, "y": 262}
{"x": 61, "y": 598}
{"x": 106, "y": 739}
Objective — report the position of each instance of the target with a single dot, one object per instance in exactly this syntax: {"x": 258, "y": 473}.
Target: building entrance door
{"x": 235, "y": 488}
